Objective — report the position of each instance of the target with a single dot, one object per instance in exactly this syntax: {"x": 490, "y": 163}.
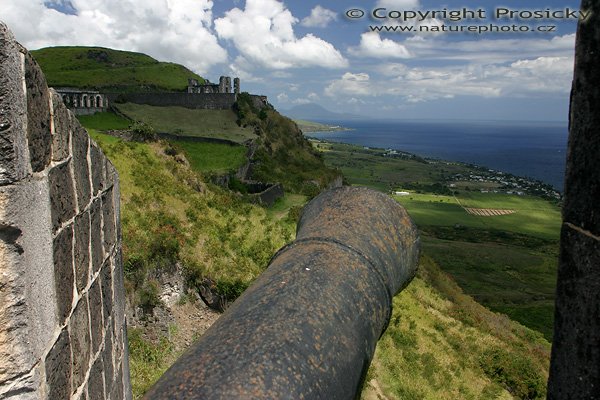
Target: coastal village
{"x": 486, "y": 180}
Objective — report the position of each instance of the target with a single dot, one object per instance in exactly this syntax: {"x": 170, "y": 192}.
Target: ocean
{"x": 530, "y": 149}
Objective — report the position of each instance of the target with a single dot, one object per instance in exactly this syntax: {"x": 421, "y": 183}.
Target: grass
{"x": 212, "y": 157}
{"x": 110, "y": 70}
{"x": 510, "y": 279}
{"x": 441, "y": 344}
{"x": 104, "y": 121}
{"x": 187, "y": 122}
{"x": 534, "y": 216}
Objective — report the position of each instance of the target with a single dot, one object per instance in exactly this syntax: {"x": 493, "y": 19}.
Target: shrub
{"x": 148, "y": 296}
{"x": 142, "y": 132}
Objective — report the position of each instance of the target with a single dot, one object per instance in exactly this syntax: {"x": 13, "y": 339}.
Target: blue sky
{"x": 297, "y": 52}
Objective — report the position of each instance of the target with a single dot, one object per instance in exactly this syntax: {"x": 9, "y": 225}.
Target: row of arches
{"x": 84, "y": 100}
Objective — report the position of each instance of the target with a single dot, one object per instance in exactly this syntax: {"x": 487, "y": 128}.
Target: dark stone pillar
{"x": 575, "y": 365}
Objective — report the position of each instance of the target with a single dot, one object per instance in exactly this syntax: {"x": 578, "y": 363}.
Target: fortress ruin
{"x": 224, "y": 86}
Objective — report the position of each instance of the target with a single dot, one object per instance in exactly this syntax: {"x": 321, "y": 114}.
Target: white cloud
{"x": 173, "y": 30}
{"x": 485, "y": 51}
{"x": 319, "y": 17}
{"x": 282, "y": 98}
{"x": 534, "y": 78}
{"x": 350, "y": 84}
{"x": 237, "y": 68}
{"x": 301, "y": 101}
{"x": 372, "y": 45}
{"x": 263, "y": 33}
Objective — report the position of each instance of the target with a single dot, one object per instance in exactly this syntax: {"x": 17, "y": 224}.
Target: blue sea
{"x": 530, "y": 149}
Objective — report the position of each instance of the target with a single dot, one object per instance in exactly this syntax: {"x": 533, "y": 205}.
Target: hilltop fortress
{"x": 208, "y": 96}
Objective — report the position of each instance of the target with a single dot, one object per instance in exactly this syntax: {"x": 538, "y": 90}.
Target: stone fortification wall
{"x": 575, "y": 363}
{"x": 210, "y": 101}
{"x": 62, "y": 313}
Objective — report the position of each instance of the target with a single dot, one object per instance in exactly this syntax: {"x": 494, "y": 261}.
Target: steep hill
{"x": 110, "y": 70}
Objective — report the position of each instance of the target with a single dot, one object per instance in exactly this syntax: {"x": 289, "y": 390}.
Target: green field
{"x": 187, "y": 122}
{"x": 533, "y": 216}
{"x": 110, "y": 70}
{"x": 212, "y": 157}
{"x": 104, "y": 121}
{"x": 507, "y": 262}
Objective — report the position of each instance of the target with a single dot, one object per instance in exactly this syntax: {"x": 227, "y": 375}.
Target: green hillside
{"x": 189, "y": 122}
{"x": 110, "y": 70}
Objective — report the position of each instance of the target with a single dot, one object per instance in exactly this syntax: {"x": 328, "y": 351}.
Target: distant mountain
{"x": 110, "y": 70}
{"x": 313, "y": 111}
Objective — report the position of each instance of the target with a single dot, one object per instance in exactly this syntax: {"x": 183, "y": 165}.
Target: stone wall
{"x": 266, "y": 193}
{"x": 210, "y": 101}
{"x": 575, "y": 363}
{"x": 62, "y": 312}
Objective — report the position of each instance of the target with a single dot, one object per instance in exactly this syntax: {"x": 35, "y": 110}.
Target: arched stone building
{"x": 83, "y": 102}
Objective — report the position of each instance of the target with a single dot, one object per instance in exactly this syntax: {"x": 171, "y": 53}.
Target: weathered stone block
{"x": 96, "y": 235}
{"x": 63, "y": 272}
{"x": 117, "y": 388}
{"x": 38, "y": 115}
{"x": 60, "y": 127}
{"x": 28, "y": 311}
{"x": 96, "y": 381}
{"x": 582, "y": 181}
{"x": 109, "y": 369}
{"x": 82, "y": 250}
{"x": 108, "y": 218}
{"x": 575, "y": 351}
{"x": 106, "y": 284}
{"x": 127, "y": 394}
{"x": 84, "y": 394}
{"x": 80, "y": 140}
{"x": 579, "y": 256}
{"x": 14, "y": 152}
{"x": 62, "y": 195}
{"x": 58, "y": 368}
{"x": 97, "y": 165}
{"x": 95, "y": 295}
{"x": 117, "y": 196}
{"x": 118, "y": 290}
{"x": 79, "y": 327}
{"x": 111, "y": 173}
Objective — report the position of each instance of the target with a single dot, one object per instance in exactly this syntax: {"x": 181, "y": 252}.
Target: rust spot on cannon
{"x": 307, "y": 328}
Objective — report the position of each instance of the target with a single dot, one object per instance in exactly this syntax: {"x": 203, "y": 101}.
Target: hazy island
{"x": 312, "y": 127}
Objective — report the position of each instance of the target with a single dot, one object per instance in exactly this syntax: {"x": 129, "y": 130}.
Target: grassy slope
{"x": 187, "y": 122}
{"x": 212, "y": 157}
{"x": 110, "y": 70}
{"x": 443, "y": 345}
{"x": 506, "y": 262}
{"x": 283, "y": 154}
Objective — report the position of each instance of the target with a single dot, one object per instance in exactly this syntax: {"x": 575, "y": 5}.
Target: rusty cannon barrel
{"x": 308, "y": 326}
